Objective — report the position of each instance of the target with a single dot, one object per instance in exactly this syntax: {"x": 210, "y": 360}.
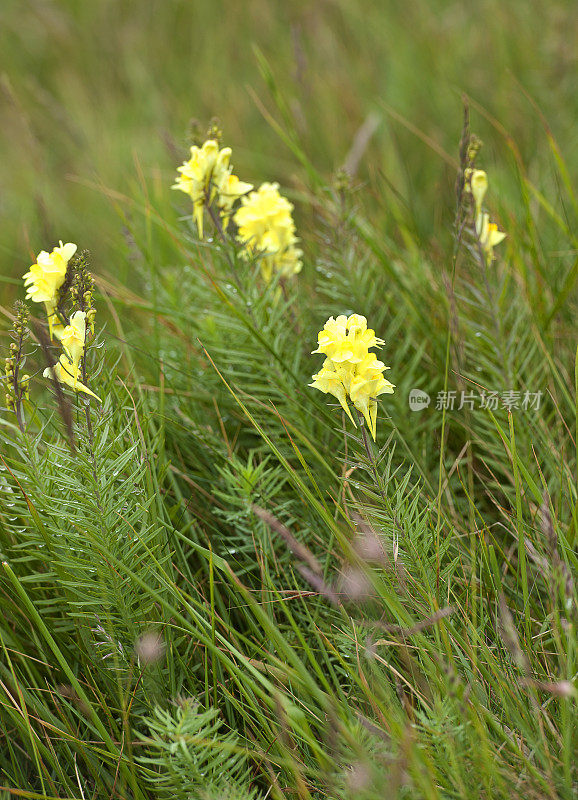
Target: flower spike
{"x": 350, "y": 371}
{"x": 207, "y": 178}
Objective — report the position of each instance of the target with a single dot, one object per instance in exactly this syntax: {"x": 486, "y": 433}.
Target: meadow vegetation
{"x": 218, "y": 581}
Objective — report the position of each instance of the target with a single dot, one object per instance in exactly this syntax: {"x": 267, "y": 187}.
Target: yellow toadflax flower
{"x": 350, "y": 370}
{"x": 206, "y": 176}
{"x": 230, "y": 190}
{"x": 487, "y": 232}
{"x": 73, "y": 339}
{"x": 45, "y": 278}
{"x": 266, "y": 228}
{"x": 346, "y": 339}
{"x": 67, "y": 372}
{"x": 478, "y": 183}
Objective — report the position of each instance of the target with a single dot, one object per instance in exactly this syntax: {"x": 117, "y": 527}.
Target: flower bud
{"x": 214, "y": 132}
{"x": 474, "y": 148}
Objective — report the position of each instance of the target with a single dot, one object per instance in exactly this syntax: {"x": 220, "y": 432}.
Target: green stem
{"x": 380, "y": 488}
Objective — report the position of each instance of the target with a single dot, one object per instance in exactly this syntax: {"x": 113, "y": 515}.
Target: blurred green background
{"x": 96, "y": 100}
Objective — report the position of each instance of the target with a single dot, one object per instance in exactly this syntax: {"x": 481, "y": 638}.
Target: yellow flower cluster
{"x": 266, "y": 229}
{"x": 264, "y": 221}
{"x": 73, "y": 340}
{"x": 487, "y": 232}
{"x": 207, "y": 177}
{"x": 350, "y": 370}
{"x": 45, "y": 278}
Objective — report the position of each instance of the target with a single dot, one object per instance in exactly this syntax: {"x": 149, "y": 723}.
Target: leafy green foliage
{"x": 193, "y": 758}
